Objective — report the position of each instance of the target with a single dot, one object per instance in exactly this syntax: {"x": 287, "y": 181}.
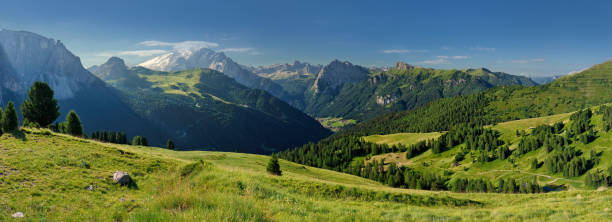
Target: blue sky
{"x": 519, "y": 37}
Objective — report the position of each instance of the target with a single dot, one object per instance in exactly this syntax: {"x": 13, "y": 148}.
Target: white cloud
{"x": 139, "y": 53}
{"x": 452, "y": 57}
{"x": 184, "y": 45}
{"x": 526, "y": 61}
{"x": 244, "y": 50}
{"x": 435, "y": 61}
{"x": 401, "y": 51}
{"x": 483, "y": 49}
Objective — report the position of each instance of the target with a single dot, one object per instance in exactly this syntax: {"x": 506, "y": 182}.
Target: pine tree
{"x": 534, "y": 164}
{"x": 170, "y": 144}
{"x": 39, "y": 106}
{"x": 136, "y": 141}
{"x": 73, "y": 124}
{"x": 274, "y": 166}
{"x": 9, "y": 118}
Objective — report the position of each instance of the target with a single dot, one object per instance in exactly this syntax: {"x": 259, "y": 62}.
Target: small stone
{"x": 18, "y": 215}
{"x": 122, "y": 178}
{"x": 90, "y": 188}
{"x": 122, "y": 199}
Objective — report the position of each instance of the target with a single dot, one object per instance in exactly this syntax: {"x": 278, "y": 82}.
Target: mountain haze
{"x": 203, "y": 108}
{"x": 27, "y": 57}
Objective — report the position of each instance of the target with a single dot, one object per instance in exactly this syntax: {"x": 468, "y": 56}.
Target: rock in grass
{"x": 18, "y": 215}
{"x": 122, "y": 178}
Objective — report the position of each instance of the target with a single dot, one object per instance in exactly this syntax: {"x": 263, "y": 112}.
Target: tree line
{"x": 40, "y": 109}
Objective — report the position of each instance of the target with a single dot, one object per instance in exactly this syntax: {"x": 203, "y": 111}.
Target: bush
{"x": 274, "y": 166}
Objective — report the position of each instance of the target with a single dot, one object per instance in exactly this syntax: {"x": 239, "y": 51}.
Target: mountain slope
{"x": 50, "y": 183}
{"x": 206, "y": 58}
{"x": 366, "y": 95}
{"x": 569, "y": 93}
{"x": 26, "y": 57}
{"x": 205, "y": 109}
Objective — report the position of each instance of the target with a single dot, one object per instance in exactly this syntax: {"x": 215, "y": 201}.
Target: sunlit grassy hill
{"x": 46, "y": 176}
{"x": 518, "y": 166}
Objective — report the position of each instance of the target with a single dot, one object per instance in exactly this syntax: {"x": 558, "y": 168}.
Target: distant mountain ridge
{"x": 207, "y": 58}
{"x": 569, "y": 93}
{"x": 207, "y": 109}
{"x": 27, "y": 57}
{"x": 340, "y": 88}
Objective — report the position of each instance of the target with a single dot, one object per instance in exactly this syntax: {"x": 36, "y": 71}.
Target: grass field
{"x": 520, "y": 169}
{"x": 401, "y": 138}
{"x": 45, "y": 176}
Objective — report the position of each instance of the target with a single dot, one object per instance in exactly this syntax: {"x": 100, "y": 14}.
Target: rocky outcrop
{"x": 402, "y": 66}
{"x": 114, "y": 68}
{"x": 122, "y": 178}
{"x": 338, "y": 73}
{"x": 280, "y": 71}
{"x": 36, "y": 58}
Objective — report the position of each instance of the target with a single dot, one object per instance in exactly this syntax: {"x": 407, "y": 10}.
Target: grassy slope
{"x": 502, "y": 168}
{"x": 401, "y": 138}
{"x": 45, "y": 176}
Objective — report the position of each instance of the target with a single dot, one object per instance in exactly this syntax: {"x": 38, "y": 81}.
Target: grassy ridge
{"x": 518, "y": 168}
{"x": 46, "y": 175}
{"x": 401, "y": 138}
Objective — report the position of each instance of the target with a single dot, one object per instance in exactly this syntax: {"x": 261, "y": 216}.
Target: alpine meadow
{"x": 305, "y": 111}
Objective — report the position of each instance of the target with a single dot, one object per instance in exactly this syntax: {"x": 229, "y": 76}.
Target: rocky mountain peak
{"x": 114, "y": 68}
{"x": 402, "y": 66}
{"x": 337, "y": 73}
{"x": 36, "y": 58}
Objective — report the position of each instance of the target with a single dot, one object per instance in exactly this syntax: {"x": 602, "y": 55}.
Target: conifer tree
{"x": 39, "y": 106}
{"x": 534, "y": 164}
{"x": 274, "y": 166}
{"x": 9, "y": 118}
{"x": 73, "y": 124}
{"x": 170, "y": 144}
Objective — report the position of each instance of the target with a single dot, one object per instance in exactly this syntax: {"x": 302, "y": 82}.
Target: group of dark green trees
{"x": 110, "y": 137}
{"x": 339, "y": 151}
{"x": 40, "y": 109}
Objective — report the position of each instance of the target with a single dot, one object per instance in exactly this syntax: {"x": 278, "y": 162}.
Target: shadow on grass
{"x": 132, "y": 185}
{"x": 19, "y": 135}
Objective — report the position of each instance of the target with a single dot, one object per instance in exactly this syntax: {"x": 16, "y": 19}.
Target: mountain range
{"x": 344, "y": 90}
{"x": 231, "y": 118}
{"x": 207, "y": 109}
{"x": 27, "y": 57}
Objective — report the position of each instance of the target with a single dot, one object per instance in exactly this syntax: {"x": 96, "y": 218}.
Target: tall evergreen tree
{"x": 73, "y": 124}
{"x": 39, "y": 106}
{"x": 274, "y": 166}
{"x": 170, "y": 144}
{"x": 9, "y": 118}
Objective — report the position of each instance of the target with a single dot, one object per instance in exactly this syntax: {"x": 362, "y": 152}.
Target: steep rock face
{"x": 338, "y": 73}
{"x": 36, "y": 58}
{"x": 26, "y": 57}
{"x": 280, "y": 71}
{"x": 402, "y": 66}
{"x": 206, "y": 58}
{"x": 114, "y": 68}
